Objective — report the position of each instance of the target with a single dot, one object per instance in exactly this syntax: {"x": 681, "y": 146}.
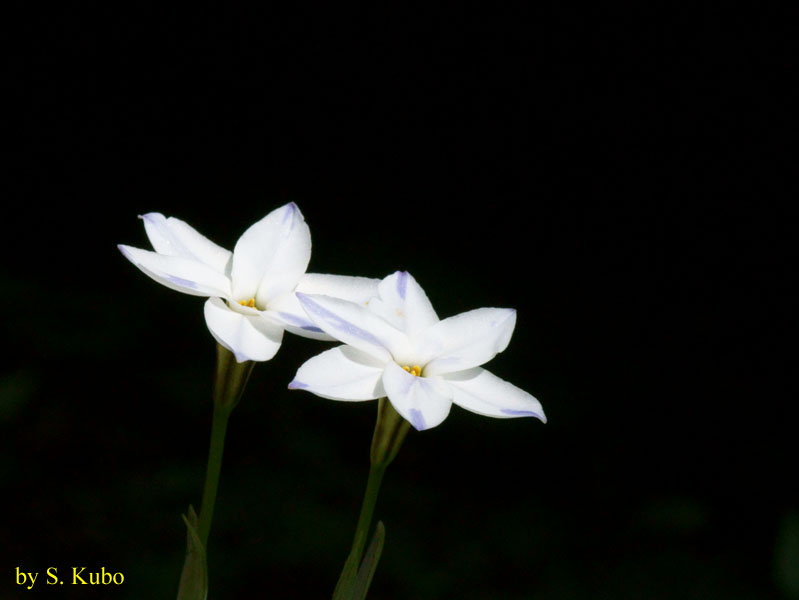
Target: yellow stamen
{"x": 250, "y": 302}
{"x": 415, "y": 370}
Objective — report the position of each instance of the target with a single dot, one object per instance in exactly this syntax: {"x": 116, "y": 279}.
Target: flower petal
{"x": 346, "y": 287}
{"x": 173, "y": 237}
{"x": 342, "y": 373}
{"x": 355, "y": 325}
{"x": 403, "y": 303}
{"x": 288, "y": 309}
{"x": 466, "y": 340}
{"x": 423, "y": 401}
{"x": 271, "y": 256}
{"x": 179, "y": 273}
{"x": 295, "y": 323}
{"x": 248, "y": 337}
{"x": 486, "y": 394}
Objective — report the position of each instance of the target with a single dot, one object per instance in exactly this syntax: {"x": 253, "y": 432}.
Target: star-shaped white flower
{"x": 251, "y": 291}
{"x": 396, "y": 346}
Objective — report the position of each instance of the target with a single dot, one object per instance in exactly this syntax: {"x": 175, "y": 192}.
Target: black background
{"x": 624, "y": 178}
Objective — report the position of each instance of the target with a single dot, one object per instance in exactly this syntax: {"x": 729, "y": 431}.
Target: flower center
{"x": 415, "y": 370}
{"x": 250, "y": 302}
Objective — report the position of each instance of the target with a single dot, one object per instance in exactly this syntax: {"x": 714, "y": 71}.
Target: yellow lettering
{"x": 76, "y": 576}
{"x": 52, "y": 574}
{"x": 22, "y": 578}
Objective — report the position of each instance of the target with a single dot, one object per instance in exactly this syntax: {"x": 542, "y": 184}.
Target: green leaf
{"x": 347, "y": 579}
{"x": 194, "y": 578}
{"x": 353, "y": 585}
{"x": 369, "y": 564}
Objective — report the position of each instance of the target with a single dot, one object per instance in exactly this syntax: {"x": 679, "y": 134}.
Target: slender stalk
{"x": 349, "y": 573}
{"x": 376, "y": 473}
{"x": 229, "y": 383}
{"x": 213, "y": 470}
{"x": 390, "y": 431}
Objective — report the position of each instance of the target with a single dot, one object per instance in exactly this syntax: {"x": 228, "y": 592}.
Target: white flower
{"x": 397, "y": 347}
{"x": 251, "y": 290}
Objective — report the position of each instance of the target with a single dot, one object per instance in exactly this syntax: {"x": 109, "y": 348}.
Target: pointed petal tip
{"x": 238, "y": 355}
{"x": 524, "y": 413}
{"x": 242, "y": 358}
{"x": 291, "y": 210}
{"x": 400, "y": 273}
{"x": 298, "y": 385}
{"x": 509, "y": 315}
{"x": 417, "y": 420}
{"x": 402, "y": 283}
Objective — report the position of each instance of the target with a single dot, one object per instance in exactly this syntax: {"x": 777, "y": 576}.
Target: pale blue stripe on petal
{"x": 299, "y": 322}
{"x": 291, "y": 210}
{"x": 402, "y": 283}
{"x": 337, "y": 323}
{"x": 520, "y": 413}
{"x": 417, "y": 419}
{"x": 180, "y": 281}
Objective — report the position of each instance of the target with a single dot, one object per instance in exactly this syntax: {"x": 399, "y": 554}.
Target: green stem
{"x": 215, "y": 451}
{"x": 390, "y": 432}
{"x": 376, "y": 473}
{"x": 229, "y": 383}
{"x": 349, "y": 573}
